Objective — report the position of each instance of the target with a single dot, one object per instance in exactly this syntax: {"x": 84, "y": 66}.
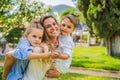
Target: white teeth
{"x": 53, "y": 32}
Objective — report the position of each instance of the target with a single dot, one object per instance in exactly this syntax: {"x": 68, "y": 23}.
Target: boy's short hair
{"x": 72, "y": 19}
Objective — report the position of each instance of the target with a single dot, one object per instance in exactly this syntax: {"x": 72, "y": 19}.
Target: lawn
{"x": 94, "y": 58}
{"x": 70, "y": 76}
{"x": 90, "y": 58}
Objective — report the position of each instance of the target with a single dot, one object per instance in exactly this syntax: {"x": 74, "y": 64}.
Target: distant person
{"x": 4, "y": 48}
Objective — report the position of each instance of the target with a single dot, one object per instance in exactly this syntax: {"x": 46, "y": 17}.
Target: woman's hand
{"x": 53, "y": 73}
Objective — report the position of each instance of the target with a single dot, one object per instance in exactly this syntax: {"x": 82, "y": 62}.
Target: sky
{"x": 57, "y": 2}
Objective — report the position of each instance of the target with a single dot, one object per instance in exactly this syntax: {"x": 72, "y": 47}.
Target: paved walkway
{"x": 1, "y": 64}
{"x": 93, "y": 73}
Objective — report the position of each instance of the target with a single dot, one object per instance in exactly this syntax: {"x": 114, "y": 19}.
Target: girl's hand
{"x": 47, "y": 55}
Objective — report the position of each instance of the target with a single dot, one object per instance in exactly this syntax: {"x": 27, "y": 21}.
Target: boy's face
{"x": 66, "y": 27}
{"x": 35, "y": 37}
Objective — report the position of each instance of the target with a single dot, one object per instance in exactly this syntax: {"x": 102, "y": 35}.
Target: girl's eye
{"x": 34, "y": 36}
{"x": 40, "y": 37}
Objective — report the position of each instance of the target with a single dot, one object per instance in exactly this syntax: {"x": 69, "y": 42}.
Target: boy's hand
{"x": 55, "y": 55}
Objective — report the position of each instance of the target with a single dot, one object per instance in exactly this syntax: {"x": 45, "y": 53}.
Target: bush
{"x": 1, "y": 71}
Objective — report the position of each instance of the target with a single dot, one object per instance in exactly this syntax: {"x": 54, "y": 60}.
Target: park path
{"x": 94, "y": 73}
{"x": 1, "y": 63}
{"x": 89, "y": 72}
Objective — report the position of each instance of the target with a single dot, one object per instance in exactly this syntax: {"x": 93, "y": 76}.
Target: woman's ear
{"x": 25, "y": 35}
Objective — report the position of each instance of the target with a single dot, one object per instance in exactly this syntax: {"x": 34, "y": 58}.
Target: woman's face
{"x": 52, "y": 28}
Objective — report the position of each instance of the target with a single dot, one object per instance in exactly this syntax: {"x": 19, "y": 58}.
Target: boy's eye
{"x": 69, "y": 27}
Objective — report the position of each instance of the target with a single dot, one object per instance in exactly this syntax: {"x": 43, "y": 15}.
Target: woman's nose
{"x": 53, "y": 27}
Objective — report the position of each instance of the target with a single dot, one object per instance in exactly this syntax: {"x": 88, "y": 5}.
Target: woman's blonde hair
{"x": 47, "y": 38}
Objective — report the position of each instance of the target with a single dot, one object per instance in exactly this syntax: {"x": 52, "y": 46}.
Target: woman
{"x": 36, "y": 69}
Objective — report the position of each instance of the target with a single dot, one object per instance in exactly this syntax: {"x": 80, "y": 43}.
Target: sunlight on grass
{"x": 70, "y": 76}
{"x": 94, "y": 57}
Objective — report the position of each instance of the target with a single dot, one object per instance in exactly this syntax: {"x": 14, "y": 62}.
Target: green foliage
{"x": 75, "y": 12}
{"x": 72, "y": 11}
{"x": 94, "y": 58}
{"x": 85, "y": 37}
{"x": 20, "y": 11}
{"x": 15, "y": 13}
{"x": 1, "y": 71}
{"x": 14, "y": 35}
{"x": 102, "y": 16}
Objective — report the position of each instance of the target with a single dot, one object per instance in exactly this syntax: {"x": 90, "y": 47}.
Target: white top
{"x": 36, "y": 69}
{"x": 66, "y": 46}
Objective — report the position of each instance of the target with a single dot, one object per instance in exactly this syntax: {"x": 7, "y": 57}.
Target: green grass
{"x": 70, "y": 76}
{"x": 90, "y": 58}
{"x": 1, "y": 59}
{"x": 94, "y": 58}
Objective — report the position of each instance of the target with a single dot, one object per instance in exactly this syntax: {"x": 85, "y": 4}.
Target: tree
{"x": 102, "y": 18}
{"x": 14, "y": 13}
{"x": 73, "y": 11}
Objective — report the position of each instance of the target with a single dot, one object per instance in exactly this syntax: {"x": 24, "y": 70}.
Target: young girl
{"x": 63, "y": 52}
{"x": 38, "y": 67}
{"x": 32, "y": 37}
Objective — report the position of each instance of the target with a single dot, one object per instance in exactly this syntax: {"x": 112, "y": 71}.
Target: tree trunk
{"x": 113, "y": 45}
{"x": 108, "y": 45}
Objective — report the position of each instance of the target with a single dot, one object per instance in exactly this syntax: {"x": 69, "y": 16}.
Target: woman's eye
{"x": 63, "y": 25}
{"x": 54, "y": 23}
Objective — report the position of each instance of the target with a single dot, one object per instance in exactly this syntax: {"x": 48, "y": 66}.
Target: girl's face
{"x": 35, "y": 37}
{"x": 66, "y": 27}
{"x": 51, "y": 27}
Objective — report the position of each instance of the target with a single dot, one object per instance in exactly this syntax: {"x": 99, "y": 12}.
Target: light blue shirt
{"x": 22, "y": 52}
{"x": 66, "y": 46}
